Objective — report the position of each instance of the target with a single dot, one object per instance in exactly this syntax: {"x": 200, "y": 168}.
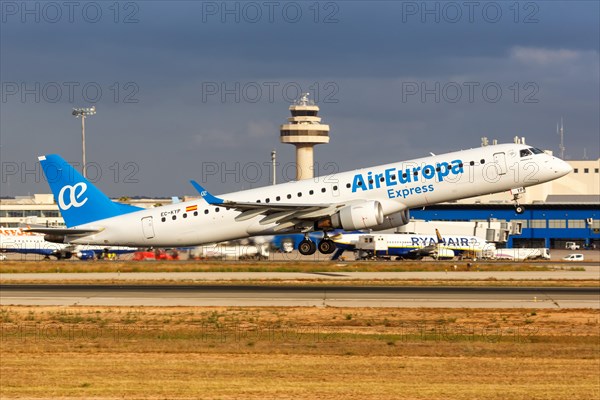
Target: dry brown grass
{"x": 265, "y": 266}
{"x": 309, "y": 353}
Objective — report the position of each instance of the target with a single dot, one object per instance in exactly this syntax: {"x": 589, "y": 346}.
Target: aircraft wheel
{"x": 307, "y": 247}
{"x": 520, "y": 209}
{"x": 326, "y": 246}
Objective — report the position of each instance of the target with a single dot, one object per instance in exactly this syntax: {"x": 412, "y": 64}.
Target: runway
{"x": 310, "y": 296}
{"x": 585, "y": 273}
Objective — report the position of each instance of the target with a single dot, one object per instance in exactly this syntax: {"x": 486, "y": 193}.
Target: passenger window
{"x": 289, "y": 196}
{"x": 217, "y": 209}
{"x": 311, "y": 192}
{"x": 184, "y": 215}
{"x": 299, "y": 194}
{"x": 174, "y": 217}
{"x": 482, "y": 161}
{"x": 163, "y": 219}
{"x": 205, "y": 211}
{"x": 195, "y": 213}
{"x": 323, "y": 190}
{"x": 348, "y": 185}
{"x": 267, "y": 200}
{"x": 335, "y": 187}
{"x": 472, "y": 163}
{"x": 278, "y": 198}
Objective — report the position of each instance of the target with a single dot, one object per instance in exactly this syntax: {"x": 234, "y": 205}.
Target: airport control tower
{"x": 304, "y": 130}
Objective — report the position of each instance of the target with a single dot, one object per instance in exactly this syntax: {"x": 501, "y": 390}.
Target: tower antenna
{"x": 561, "y": 133}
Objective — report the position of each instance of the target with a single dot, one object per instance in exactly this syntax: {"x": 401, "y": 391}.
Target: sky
{"x": 197, "y": 90}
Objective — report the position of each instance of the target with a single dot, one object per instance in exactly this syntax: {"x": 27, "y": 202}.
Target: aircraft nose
{"x": 562, "y": 168}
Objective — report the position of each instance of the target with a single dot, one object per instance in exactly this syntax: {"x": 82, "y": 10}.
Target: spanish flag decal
{"x": 191, "y": 208}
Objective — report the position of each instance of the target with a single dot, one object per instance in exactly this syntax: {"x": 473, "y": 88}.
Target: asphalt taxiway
{"x": 330, "y": 296}
{"x": 586, "y": 273}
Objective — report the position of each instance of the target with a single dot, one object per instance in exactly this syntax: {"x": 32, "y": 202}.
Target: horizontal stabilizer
{"x": 63, "y": 231}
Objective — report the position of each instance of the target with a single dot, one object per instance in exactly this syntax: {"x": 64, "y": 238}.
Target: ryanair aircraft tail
{"x": 79, "y": 201}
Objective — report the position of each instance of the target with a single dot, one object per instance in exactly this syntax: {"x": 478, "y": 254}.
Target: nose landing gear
{"x": 519, "y": 209}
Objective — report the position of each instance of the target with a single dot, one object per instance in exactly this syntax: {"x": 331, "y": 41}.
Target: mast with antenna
{"x": 561, "y": 133}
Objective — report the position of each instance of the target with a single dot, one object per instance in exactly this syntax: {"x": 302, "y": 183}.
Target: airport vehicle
{"x": 158, "y": 254}
{"x": 572, "y": 246}
{"x": 522, "y": 254}
{"x": 411, "y": 246}
{"x": 19, "y": 240}
{"x": 574, "y": 257}
{"x": 229, "y": 251}
{"x": 370, "y": 198}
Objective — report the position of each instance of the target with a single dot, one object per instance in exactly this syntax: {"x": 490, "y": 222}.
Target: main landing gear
{"x": 307, "y": 247}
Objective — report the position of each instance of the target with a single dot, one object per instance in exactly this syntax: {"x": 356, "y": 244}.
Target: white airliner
{"x": 371, "y": 198}
{"x": 17, "y": 240}
{"x": 411, "y": 246}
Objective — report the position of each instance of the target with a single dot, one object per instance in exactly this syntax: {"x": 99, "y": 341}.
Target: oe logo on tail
{"x": 74, "y": 194}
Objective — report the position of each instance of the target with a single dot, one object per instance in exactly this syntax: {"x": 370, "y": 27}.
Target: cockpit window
{"x": 525, "y": 153}
{"x": 536, "y": 151}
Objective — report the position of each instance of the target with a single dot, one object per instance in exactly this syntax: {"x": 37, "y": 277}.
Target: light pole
{"x": 83, "y": 113}
{"x": 274, "y": 165}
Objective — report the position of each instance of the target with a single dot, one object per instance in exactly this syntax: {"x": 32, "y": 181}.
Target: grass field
{"x": 308, "y": 353}
{"x": 267, "y": 266}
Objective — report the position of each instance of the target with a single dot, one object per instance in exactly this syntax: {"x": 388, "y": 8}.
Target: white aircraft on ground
{"x": 371, "y": 198}
{"x": 411, "y": 246}
{"x": 18, "y": 240}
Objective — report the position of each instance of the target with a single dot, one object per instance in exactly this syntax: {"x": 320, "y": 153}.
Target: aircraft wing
{"x": 424, "y": 251}
{"x": 285, "y": 215}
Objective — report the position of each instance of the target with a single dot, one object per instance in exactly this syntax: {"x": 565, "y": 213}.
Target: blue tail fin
{"x": 78, "y": 199}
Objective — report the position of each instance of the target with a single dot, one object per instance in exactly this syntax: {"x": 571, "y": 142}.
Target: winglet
{"x": 210, "y": 199}
{"x": 440, "y": 240}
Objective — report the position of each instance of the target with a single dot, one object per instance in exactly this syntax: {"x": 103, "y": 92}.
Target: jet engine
{"x": 54, "y": 238}
{"x": 355, "y": 216}
{"x": 394, "y": 220}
